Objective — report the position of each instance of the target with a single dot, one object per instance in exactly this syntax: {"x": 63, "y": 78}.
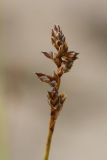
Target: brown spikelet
{"x": 64, "y": 59}
{"x": 48, "y": 55}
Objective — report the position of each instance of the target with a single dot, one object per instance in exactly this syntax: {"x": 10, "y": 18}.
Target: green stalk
{"x": 49, "y": 138}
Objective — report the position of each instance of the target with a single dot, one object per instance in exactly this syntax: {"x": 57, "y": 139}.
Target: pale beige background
{"x": 81, "y": 131}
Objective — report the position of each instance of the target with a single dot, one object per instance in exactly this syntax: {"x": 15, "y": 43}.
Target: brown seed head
{"x": 64, "y": 60}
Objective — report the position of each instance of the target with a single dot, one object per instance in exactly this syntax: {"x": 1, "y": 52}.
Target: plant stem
{"x": 64, "y": 60}
{"x": 49, "y": 138}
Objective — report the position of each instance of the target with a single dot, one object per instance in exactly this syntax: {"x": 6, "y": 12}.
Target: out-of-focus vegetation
{"x": 3, "y": 136}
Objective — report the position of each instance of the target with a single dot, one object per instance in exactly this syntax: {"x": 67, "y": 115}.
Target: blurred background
{"x": 25, "y": 30}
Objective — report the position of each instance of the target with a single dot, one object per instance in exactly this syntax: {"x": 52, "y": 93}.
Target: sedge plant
{"x": 63, "y": 59}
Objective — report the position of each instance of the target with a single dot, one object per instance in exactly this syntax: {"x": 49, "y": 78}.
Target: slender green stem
{"x": 49, "y": 138}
